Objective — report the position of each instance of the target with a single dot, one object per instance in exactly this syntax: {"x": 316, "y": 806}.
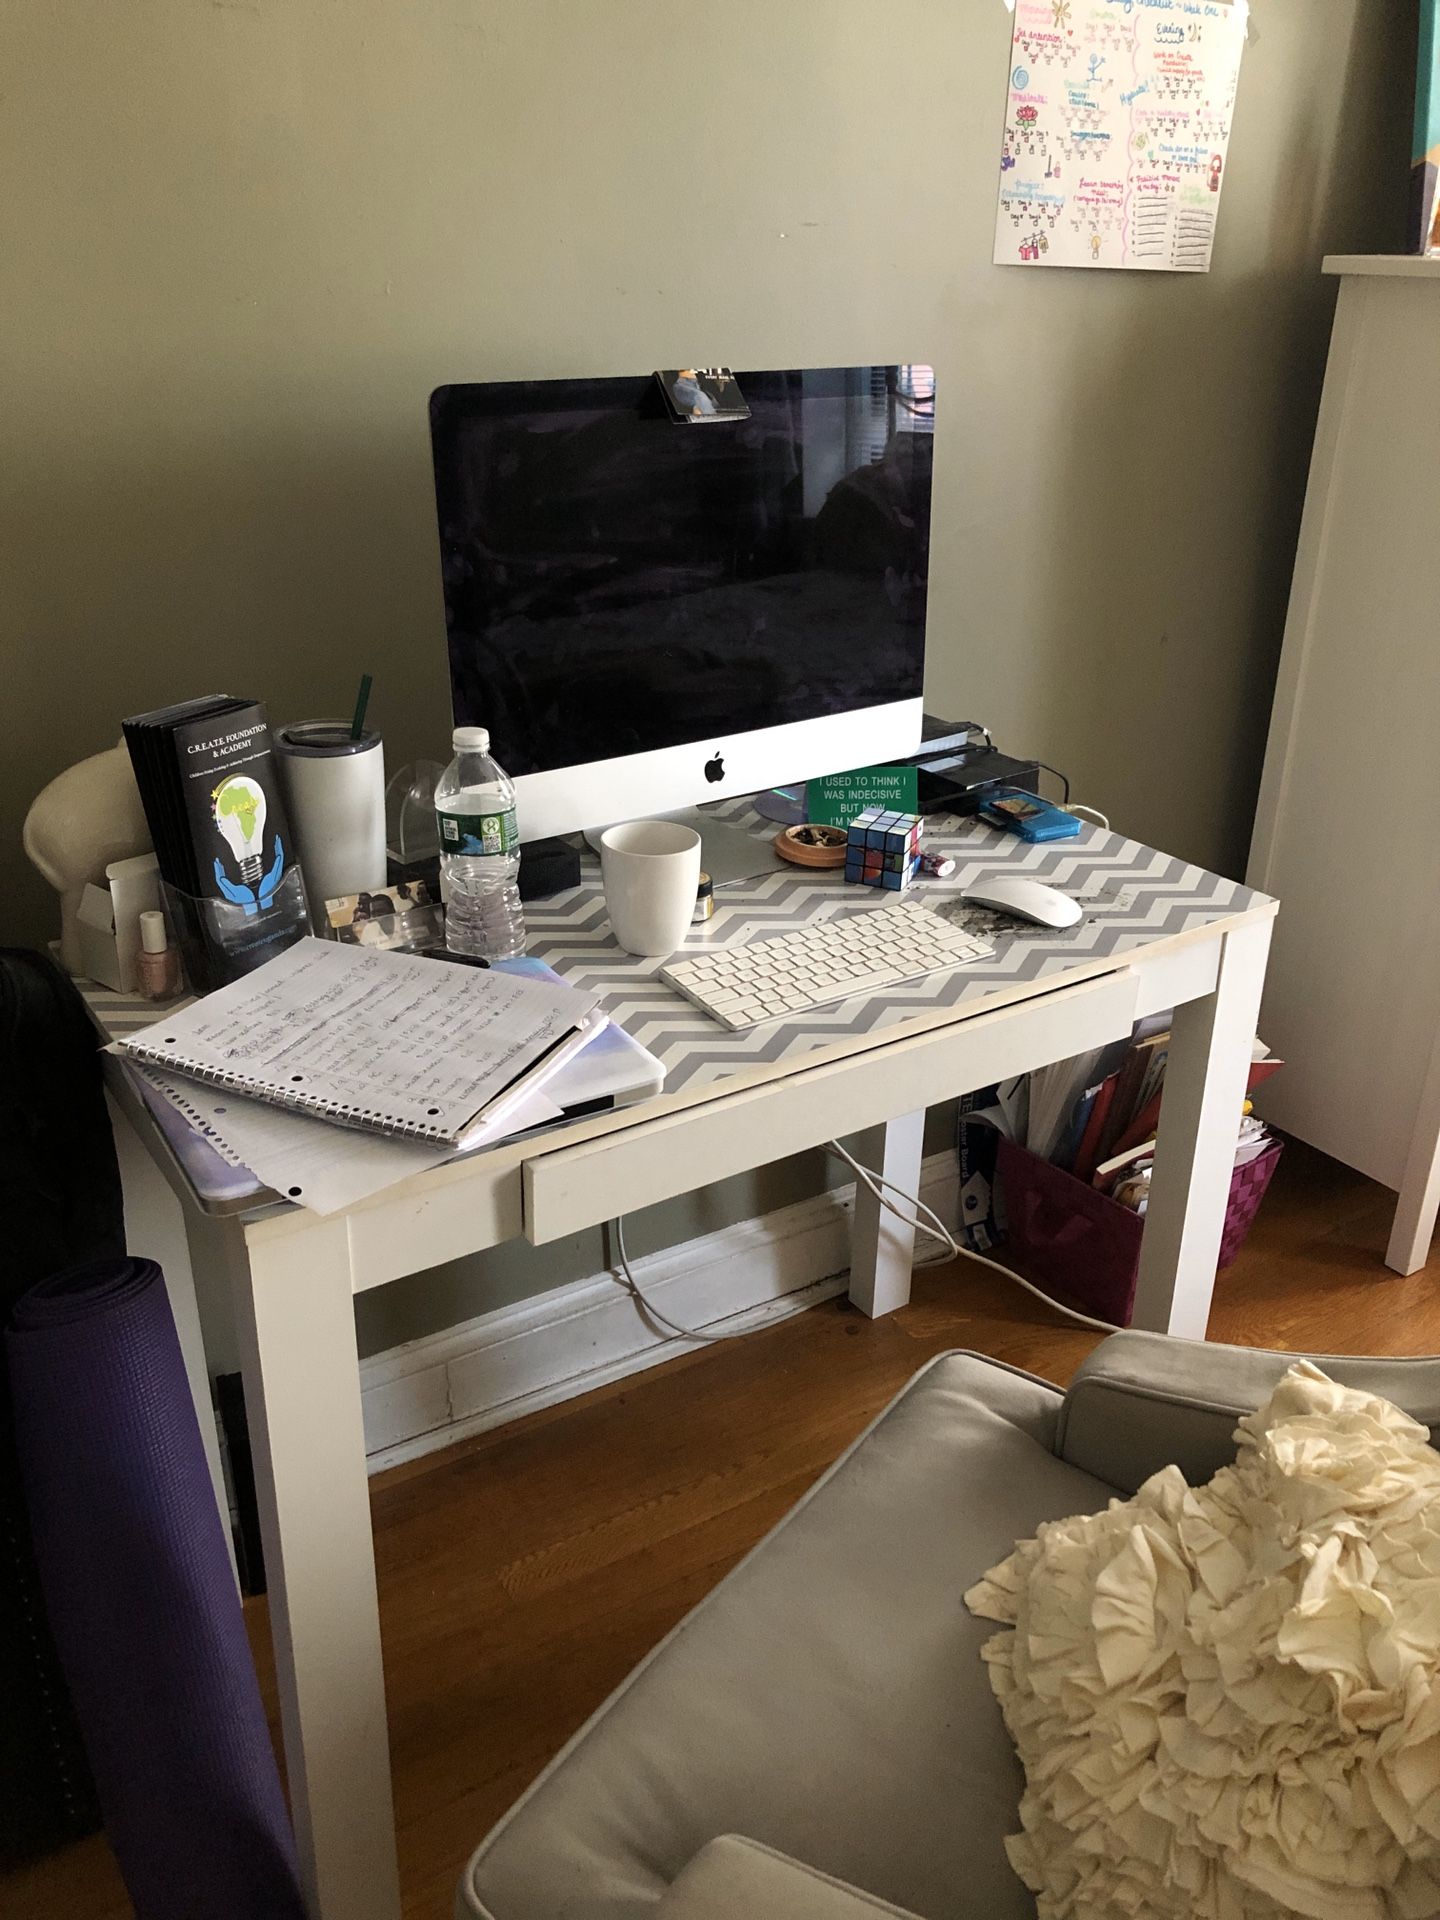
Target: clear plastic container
{"x": 479, "y": 852}
{"x": 410, "y": 831}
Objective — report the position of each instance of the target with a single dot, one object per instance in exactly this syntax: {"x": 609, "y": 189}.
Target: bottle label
{"x": 478, "y": 833}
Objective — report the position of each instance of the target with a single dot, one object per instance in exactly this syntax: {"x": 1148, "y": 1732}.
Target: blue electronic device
{"x": 1029, "y": 816}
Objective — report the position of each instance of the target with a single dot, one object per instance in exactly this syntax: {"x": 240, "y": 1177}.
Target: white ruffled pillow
{"x": 1227, "y": 1699}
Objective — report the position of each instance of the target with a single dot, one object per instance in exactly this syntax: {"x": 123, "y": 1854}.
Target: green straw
{"x": 362, "y": 700}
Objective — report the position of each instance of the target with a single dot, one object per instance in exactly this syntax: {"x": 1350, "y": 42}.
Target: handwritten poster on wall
{"x": 1117, "y": 125}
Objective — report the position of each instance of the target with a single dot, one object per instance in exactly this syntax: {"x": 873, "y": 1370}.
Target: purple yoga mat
{"x": 142, "y": 1603}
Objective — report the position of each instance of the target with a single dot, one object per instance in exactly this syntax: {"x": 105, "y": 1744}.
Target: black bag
{"x": 60, "y": 1187}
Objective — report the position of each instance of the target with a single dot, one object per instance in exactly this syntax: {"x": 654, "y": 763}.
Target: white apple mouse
{"x": 1031, "y": 899}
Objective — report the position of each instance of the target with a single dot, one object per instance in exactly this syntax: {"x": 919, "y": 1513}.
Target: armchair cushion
{"x": 733, "y": 1879}
{"x": 828, "y": 1698}
{"x": 1143, "y": 1401}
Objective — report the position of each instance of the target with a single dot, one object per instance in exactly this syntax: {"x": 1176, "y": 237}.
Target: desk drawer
{"x": 577, "y": 1187}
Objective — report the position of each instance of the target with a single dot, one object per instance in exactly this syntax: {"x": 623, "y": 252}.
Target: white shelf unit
{"x": 1347, "y": 831}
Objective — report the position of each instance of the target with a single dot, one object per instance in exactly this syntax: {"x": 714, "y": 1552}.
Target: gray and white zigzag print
{"x": 1131, "y": 895}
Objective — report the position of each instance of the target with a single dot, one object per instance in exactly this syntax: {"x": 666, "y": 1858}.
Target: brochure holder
{"x": 220, "y": 940}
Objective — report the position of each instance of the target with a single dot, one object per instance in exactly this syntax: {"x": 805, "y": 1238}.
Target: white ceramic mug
{"x": 335, "y": 787}
{"x": 651, "y": 870}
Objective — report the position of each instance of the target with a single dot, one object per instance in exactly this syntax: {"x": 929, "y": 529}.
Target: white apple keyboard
{"x": 795, "y": 972}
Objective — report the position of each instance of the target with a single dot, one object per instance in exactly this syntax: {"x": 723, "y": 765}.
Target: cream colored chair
{"x": 818, "y": 1739}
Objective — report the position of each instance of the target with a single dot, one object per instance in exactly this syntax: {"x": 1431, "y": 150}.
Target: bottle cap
{"x": 153, "y": 937}
{"x": 471, "y": 739}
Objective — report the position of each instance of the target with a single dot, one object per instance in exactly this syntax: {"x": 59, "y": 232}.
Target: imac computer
{"x": 649, "y": 613}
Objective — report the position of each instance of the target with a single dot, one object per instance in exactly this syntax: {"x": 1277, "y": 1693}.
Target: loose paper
{"x": 386, "y": 1041}
{"x": 1117, "y": 126}
{"x": 325, "y": 1167}
{"x": 320, "y": 1166}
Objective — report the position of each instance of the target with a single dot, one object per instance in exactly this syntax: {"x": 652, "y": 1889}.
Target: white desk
{"x": 1158, "y": 934}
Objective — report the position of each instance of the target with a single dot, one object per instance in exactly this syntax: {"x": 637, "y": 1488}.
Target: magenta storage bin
{"x": 1073, "y": 1241}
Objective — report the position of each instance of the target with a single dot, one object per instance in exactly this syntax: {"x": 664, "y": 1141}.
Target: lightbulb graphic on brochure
{"x": 239, "y": 810}
{"x": 240, "y": 815}
{"x": 1117, "y": 131}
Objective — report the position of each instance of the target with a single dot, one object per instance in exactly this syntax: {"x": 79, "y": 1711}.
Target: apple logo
{"x": 715, "y": 769}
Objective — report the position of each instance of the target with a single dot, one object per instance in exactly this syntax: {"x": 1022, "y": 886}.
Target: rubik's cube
{"x": 882, "y": 849}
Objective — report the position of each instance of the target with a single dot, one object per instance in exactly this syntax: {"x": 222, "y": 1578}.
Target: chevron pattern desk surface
{"x": 1131, "y": 894}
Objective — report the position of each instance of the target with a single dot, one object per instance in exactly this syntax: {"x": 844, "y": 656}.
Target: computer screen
{"x": 618, "y": 582}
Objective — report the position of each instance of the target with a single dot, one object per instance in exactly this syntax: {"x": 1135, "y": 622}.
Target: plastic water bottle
{"x": 479, "y": 851}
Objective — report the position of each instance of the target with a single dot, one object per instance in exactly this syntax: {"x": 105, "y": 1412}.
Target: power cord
{"x": 651, "y": 1311}
{"x": 1088, "y": 813}
{"x": 922, "y": 1219}
{"x": 1063, "y": 778}
{"x": 1085, "y": 813}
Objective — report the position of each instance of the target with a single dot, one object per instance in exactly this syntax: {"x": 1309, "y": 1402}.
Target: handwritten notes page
{"x": 389, "y": 1042}
{"x": 1116, "y": 131}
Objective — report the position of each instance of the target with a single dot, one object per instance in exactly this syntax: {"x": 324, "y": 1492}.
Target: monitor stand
{"x": 728, "y": 854}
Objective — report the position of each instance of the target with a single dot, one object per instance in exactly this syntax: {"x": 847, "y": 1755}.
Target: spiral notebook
{"x": 392, "y": 1043}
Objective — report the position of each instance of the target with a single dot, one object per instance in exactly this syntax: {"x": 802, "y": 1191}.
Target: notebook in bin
{"x": 388, "y": 1042}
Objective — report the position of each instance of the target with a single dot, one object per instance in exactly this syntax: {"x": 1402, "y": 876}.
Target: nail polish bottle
{"x": 157, "y": 966}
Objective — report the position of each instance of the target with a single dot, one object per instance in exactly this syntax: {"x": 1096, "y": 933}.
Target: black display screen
{"x": 617, "y": 581}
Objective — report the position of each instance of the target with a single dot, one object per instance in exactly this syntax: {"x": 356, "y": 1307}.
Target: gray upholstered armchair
{"x": 827, "y": 1701}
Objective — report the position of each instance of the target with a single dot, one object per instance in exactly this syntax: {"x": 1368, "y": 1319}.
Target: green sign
{"x": 834, "y": 800}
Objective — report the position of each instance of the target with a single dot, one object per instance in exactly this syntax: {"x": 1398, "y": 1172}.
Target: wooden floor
{"x": 523, "y": 1573}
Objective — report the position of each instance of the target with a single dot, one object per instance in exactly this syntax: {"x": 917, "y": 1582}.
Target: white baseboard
{"x": 486, "y": 1371}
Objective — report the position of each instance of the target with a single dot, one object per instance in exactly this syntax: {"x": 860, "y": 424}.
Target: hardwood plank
{"x": 525, "y": 1571}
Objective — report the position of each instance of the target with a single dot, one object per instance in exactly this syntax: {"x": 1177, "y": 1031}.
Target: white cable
{"x": 941, "y": 1232}
{"x": 1019, "y": 1280}
{"x": 873, "y": 1181}
{"x": 923, "y": 1219}
{"x": 1088, "y": 813}
{"x": 645, "y": 1306}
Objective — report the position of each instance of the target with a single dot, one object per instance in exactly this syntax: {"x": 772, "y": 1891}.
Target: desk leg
{"x": 296, "y": 1324}
{"x": 882, "y": 1247}
{"x": 1205, "y": 1080}
{"x": 155, "y": 1230}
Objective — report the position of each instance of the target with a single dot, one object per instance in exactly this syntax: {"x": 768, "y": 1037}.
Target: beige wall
{"x": 242, "y": 239}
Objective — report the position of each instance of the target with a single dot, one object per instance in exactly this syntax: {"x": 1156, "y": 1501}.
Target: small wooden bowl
{"x": 812, "y": 846}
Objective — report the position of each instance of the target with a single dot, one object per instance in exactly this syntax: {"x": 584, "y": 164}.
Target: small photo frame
{"x": 406, "y": 917}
